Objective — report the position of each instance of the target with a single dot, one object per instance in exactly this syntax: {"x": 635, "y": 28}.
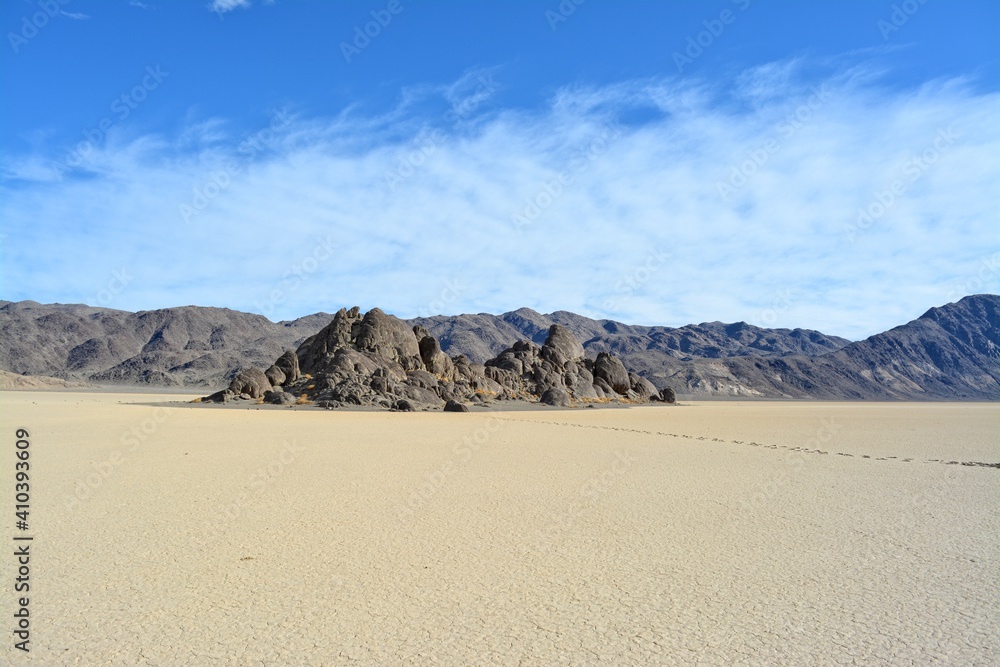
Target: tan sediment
{"x": 18, "y": 382}
{"x": 725, "y": 533}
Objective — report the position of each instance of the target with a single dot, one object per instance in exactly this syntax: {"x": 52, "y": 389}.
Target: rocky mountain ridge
{"x": 948, "y": 353}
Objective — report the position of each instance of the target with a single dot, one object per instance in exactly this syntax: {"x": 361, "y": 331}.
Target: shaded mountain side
{"x": 172, "y": 346}
{"x": 482, "y": 336}
{"x": 951, "y": 352}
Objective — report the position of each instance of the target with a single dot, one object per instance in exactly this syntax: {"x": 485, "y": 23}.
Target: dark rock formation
{"x": 284, "y": 370}
{"x": 279, "y": 397}
{"x": 379, "y": 360}
{"x": 403, "y": 405}
{"x": 613, "y": 373}
{"x": 250, "y": 383}
{"x": 556, "y": 396}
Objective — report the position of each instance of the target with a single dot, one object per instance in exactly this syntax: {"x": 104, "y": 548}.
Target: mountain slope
{"x": 482, "y": 336}
{"x": 172, "y": 346}
{"x": 951, "y": 352}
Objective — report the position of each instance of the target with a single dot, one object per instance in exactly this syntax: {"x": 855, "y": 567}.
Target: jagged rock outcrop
{"x": 379, "y": 360}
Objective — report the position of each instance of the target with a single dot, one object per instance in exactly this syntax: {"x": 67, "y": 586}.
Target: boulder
{"x": 403, "y": 405}
{"x": 436, "y": 361}
{"x": 250, "y": 381}
{"x": 347, "y": 362}
{"x": 288, "y": 363}
{"x": 455, "y": 406}
{"x": 562, "y": 345}
{"x": 279, "y": 398}
{"x": 585, "y": 391}
{"x": 223, "y": 396}
{"x": 275, "y": 376}
{"x": 643, "y": 388}
{"x": 390, "y": 338}
{"x": 316, "y": 351}
{"x": 667, "y": 395}
{"x": 611, "y": 371}
{"x": 423, "y": 379}
{"x": 421, "y": 395}
{"x": 556, "y": 396}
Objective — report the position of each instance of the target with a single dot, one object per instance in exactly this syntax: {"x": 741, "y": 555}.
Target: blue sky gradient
{"x": 819, "y": 164}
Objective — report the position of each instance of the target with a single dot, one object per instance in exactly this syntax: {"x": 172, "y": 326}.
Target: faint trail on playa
{"x": 804, "y": 450}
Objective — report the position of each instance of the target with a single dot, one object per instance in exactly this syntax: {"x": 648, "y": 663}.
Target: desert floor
{"x": 707, "y": 533}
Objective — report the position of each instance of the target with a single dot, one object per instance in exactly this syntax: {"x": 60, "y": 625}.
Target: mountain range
{"x": 948, "y": 353}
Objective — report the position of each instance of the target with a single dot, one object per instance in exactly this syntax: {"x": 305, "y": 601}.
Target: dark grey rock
{"x": 389, "y": 338}
{"x": 644, "y": 389}
{"x": 436, "y": 361}
{"x": 223, "y": 396}
{"x": 288, "y": 364}
{"x": 556, "y": 396}
{"x": 275, "y": 376}
{"x": 612, "y": 372}
{"x": 250, "y": 381}
{"x": 455, "y": 406}
{"x": 279, "y": 398}
{"x": 563, "y": 343}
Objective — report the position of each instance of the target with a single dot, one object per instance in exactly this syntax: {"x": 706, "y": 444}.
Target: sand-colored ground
{"x": 709, "y": 533}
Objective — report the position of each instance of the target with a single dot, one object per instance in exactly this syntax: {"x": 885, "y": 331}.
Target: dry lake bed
{"x": 717, "y": 533}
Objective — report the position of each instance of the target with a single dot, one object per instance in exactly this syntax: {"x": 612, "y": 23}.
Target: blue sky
{"x": 831, "y": 165}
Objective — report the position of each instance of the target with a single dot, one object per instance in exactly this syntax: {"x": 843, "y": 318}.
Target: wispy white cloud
{"x": 223, "y": 6}
{"x": 74, "y": 15}
{"x": 387, "y": 209}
